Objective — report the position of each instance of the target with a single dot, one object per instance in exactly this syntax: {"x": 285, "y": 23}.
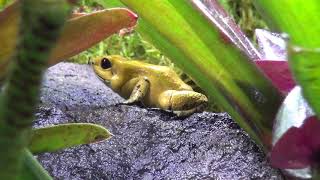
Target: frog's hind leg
{"x": 139, "y": 91}
{"x": 182, "y": 102}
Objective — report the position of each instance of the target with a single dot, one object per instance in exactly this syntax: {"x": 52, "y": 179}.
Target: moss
{"x": 245, "y": 15}
{"x": 4, "y": 3}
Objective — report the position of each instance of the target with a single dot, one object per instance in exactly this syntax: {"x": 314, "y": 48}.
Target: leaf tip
{"x": 133, "y": 15}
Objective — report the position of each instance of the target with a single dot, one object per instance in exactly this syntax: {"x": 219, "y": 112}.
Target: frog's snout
{"x": 91, "y": 61}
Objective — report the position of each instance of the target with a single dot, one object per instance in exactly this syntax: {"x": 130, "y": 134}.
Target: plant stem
{"x": 40, "y": 25}
{"x": 32, "y": 169}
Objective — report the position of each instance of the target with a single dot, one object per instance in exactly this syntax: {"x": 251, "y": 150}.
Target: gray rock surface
{"x": 147, "y": 143}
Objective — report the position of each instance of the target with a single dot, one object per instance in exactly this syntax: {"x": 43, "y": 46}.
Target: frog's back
{"x": 165, "y": 78}
{"x": 162, "y": 77}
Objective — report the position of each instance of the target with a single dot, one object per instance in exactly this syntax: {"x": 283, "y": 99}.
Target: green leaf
{"x": 110, "y": 3}
{"x": 228, "y": 78}
{"x": 62, "y": 136}
{"x": 300, "y": 20}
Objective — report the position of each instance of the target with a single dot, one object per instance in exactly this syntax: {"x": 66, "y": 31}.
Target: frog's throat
{"x": 106, "y": 82}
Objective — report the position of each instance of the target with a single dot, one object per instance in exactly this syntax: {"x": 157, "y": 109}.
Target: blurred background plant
{"x": 245, "y": 15}
{"x": 4, "y": 3}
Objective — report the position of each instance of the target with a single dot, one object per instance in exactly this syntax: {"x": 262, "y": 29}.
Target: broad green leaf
{"x": 80, "y": 32}
{"x": 299, "y": 18}
{"x": 62, "y": 136}
{"x": 110, "y": 3}
{"x": 228, "y": 78}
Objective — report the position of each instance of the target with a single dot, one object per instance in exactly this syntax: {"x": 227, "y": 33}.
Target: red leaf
{"x": 298, "y": 147}
{"x": 311, "y": 129}
{"x": 291, "y": 152}
{"x": 279, "y": 73}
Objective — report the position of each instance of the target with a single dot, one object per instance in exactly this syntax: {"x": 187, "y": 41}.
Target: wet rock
{"x": 147, "y": 143}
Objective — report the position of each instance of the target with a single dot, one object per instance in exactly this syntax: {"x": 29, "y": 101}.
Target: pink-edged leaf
{"x": 81, "y": 31}
{"x": 85, "y": 30}
{"x": 298, "y": 147}
{"x": 292, "y": 113}
{"x": 271, "y": 45}
{"x": 279, "y": 73}
{"x": 291, "y": 152}
{"x": 228, "y": 28}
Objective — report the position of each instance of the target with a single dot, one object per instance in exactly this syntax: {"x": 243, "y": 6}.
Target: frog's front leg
{"x": 183, "y": 102}
{"x": 139, "y": 91}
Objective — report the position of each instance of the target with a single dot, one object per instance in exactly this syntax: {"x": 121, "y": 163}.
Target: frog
{"x": 153, "y": 86}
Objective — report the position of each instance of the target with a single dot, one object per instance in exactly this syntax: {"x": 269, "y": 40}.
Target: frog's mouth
{"x": 103, "y": 80}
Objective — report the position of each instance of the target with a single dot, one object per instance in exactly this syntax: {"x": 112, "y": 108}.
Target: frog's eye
{"x": 105, "y": 63}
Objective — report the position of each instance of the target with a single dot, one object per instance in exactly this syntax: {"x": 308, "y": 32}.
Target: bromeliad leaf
{"x": 288, "y": 132}
{"x": 306, "y": 68}
{"x": 273, "y": 62}
{"x": 61, "y": 136}
{"x": 279, "y": 73}
{"x": 84, "y": 31}
{"x": 271, "y": 45}
{"x": 298, "y": 147}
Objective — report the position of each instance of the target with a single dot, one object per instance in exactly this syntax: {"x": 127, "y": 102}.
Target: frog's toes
{"x": 184, "y": 113}
{"x": 199, "y": 108}
{"x": 129, "y": 103}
